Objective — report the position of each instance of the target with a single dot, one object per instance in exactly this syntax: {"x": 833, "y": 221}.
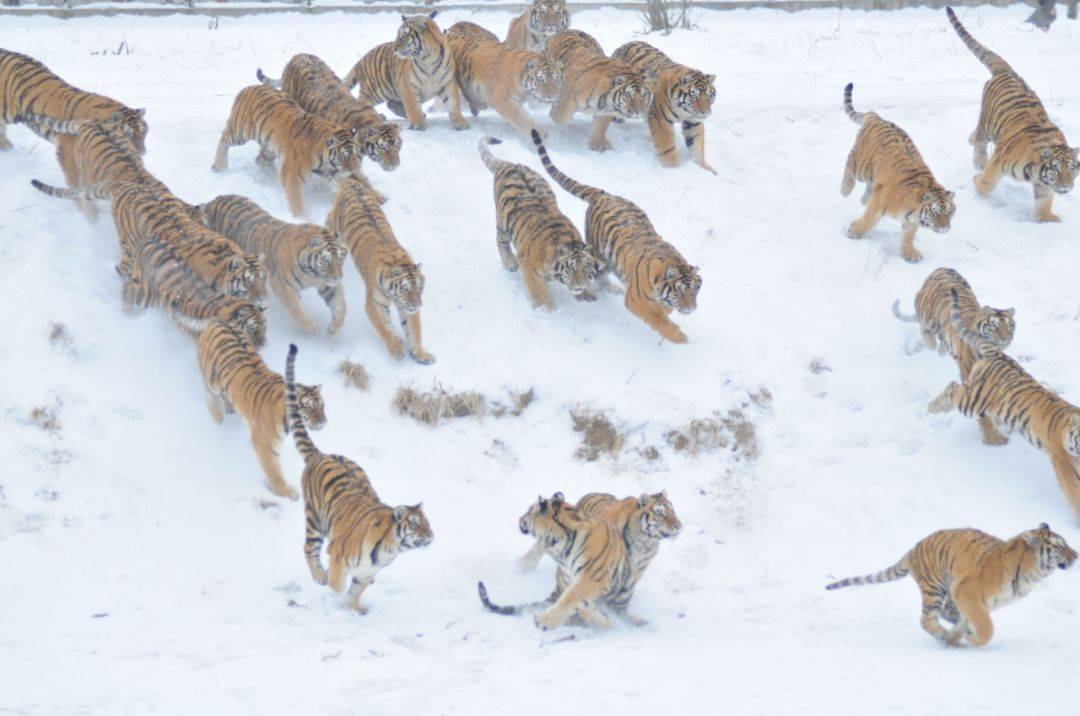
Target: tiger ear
{"x": 531, "y": 64}
{"x": 1032, "y": 538}
{"x": 621, "y": 79}
{"x": 431, "y": 15}
{"x": 558, "y": 498}
{"x": 260, "y": 258}
{"x": 399, "y": 512}
{"x": 314, "y": 242}
{"x": 1046, "y": 154}
{"x": 404, "y": 18}
{"x": 236, "y": 262}
{"x": 950, "y": 194}
{"x": 115, "y": 116}
{"x": 141, "y": 111}
{"x": 1074, "y": 421}
{"x": 671, "y": 272}
{"x": 561, "y": 66}
{"x": 643, "y": 500}
{"x": 711, "y": 79}
{"x": 1010, "y": 312}
{"x": 1075, "y": 153}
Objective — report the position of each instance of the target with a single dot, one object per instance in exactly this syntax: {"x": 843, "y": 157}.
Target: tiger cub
{"x": 1027, "y": 146}
{"x": 591, "y": 553}
{"x": 1002, "y": 394}
{"x": 365, "y": 534}
{"x": 489, "y": 74}
{"x": 298, "y": 256}
{"x": 964, "y": 574}
{"x": 534, "y": 28}
{"x": 547, "y": 243}
{"x": 390, "y": 276}
{"x": 933, "y": 313}
{"x": 642, "y": 521}
{"x": 593, "y": 83}
{"x": 29, "y": 87}
{"x": 619, "y": 234}
{"x": 237, "y": 381}
{"x": 680, "y": 96}
{"x": 409, "y": 71}
{"x": 315, "y": 87}
{"x": 898, "y": 182}
{"x": 307, "y": 143}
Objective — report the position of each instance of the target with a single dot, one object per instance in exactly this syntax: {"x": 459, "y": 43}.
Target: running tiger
{"x": 593, "y": 83}
{"x": 390, "y": 276}
{"x": 964, "y": 574}
{"x": 340, "y": 503}
{"x": 409, "y": 71}
{"x": 237, "y": 380}
{"x": 314, "y": 86}
{"x": 489, "y": 74}
{"x": 534, "y": 28}
{"x": 619, "y": 234}
{"x": 29, "y": 87}
{"x": 643, "y": 523}
{"x": 544, "y": 241}
{"x": 307, "y": 143}
{"x": 1002, "y": 394}
{"x": 298, "y": 256}
{"x": 680, "y": 96}
{"x": 592, "y": 554}
{"x": 898, "y": 182}
{"x": 1027, "y": 146}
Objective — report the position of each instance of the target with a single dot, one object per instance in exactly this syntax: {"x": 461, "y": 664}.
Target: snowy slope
{"x": 146, "y": 566}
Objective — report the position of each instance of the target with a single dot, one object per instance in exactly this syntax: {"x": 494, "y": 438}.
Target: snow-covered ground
{"x": 147, "y": 568}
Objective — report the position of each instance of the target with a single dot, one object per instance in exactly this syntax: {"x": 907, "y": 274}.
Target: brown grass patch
{"x": 437, "y": 404}
{"x": 517, "y": 405}
{"x": 354, "y": 374}
{"x": 45, "y": 417}
{"x": 599, "y": 436}
{"x": 720, "y": 431}
{"x": 60, "y": 339}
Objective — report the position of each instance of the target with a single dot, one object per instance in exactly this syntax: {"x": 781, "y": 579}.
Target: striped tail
{"x": 268, "y": 81}
{"x": 490, "y": 160}
{"x": 292, "y": 410}
{"x": 581, "y": 191}
{"x": 992, "y": 60}
{"x": 893, "y": 573}
{"x": 512, "y": 610}
{"x": 856, "y": 117}
{"x": 101, "y": 190}
{"x": 912, "y": 318}
{"x": 980, "y": 345}
{"x": 45, "y": 126}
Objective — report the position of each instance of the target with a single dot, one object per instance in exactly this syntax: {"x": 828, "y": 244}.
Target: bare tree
{"x": 666, "y": 15}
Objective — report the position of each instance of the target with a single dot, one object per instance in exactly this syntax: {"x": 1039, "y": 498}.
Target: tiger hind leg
{"x": 990, "y": 434}
{"x": 313, "y": 542}
{"x": 268, "y": 459}
{"x": 694, "y": 136}
{"x": 579, "y": 598}
{"x": 931, "y": 609}
{"x": 502, "y": 240}
{"x": 848, "y": 183}
{"x": 975, "y": 624}
{"x": 396, "y": 107}
{"x": 868, "y": 220}
{"x": 598, "y": 141}
{"x": 947, "y": 399}
{"x": 529, "y": 561}
{"x": 5, "y": 143}
{"x": 356, "y": 590}
{"x": 411, "y": 327}
{"x": 334, "y": 297}
{"x": 221, "y": 159}
{"x": 215, "y": 405}
{"x": 265, "y": 157}
{"x": 981, "y": 155}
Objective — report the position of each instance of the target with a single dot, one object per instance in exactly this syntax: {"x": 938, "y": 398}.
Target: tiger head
{"x": 693, "y": 94}
{"x": 679, "y": 287}
{"x": 250, "y": 320}
{"x": 543, "y": 521}
{"x": 1051, "y": 550}
{"x": 246, "y": 276}
{"x": 133, "y": 124}
{"x": 575, "y": 267}
{"x": 341, "y": 150}
{"x": 1058, "y": 168}
{"x": 548, "y": 17}
{"x": 656, "y": 517}
{"x": 382, "y": 144}
{"x": 936, "y": 209}
{"x": 629, "y": 96}
{"x": 543, "y": 79}
{"x": 1072, "y": 435}
{"x": 995, "y": 325}
{"x": 417, "y": 35}
{"x": 312, "y": 409}
{"x": 404, "y": 284}
{"x": 411, "y": 527}
{"x": 322, "y": 257}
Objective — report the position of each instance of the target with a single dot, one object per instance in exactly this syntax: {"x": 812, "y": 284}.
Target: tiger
{"x": 489, "y": 74}
{"x": 964, "y": 574}
{"x": 642, "y": 521}
{"x": 238, "y": 381}
{"x": 534, "y": 28}
{"x": 298, "y": 256}
{"x": 1007, "y": 396}
{"x": 307, "y": 143}
{"x": 314, "y": 86}
{"x": 619, "y": 234}
{"x": 593, "y": 83}
{"x": 409, "y": 71}
{"x": 898, "y": 182}
{"x": 390, "y": 276}
{"x": 141, "y": 214}
{"x": 680, "y": 96}
{"x": 547, "y": 243}
{"x": 1027, "y": 146}
{"x": 365, "y": 534}
{"x": 29, "y": 87}
{"x": 592, "y": 557}
{"x": 933, "y": 313}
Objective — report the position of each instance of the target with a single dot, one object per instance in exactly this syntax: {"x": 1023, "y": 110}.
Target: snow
{"x": 147, "y": 567}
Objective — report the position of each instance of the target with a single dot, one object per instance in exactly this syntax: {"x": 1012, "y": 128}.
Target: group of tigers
{"x": 208, "y": 265}
{"x": 1028, "y": 147}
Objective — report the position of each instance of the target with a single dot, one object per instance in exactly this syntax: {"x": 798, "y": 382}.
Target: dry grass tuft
{"x": 437, "y": 404}
{"x": 60, "y": 339}
{"x": 518, "y": 403}
{"x": 599, "y": 434}
{"x": 354, "y": 374}
{"x": 818, "y": 366}
{"x": 45, "y": 417}
{"x": 732, "y": 429}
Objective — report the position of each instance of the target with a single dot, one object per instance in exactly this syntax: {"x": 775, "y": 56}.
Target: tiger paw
{"x": 320, "y": 576}
{"x": 547, "y": 621}
{"x": 676, "y": 336}
{"x": 545, "y": 306}
{"x": 219, "y": 166}
{"x": 1048, "y": 219}
{"x": 396, "y": 348}
{"x": 852, "y": 232}
{"x": 599, "y": 145}
{"x": 422, "y": 357}
{"x": 996, "y": 439}
{"x": 309, "y": 327}
{"x": 285, "y": 491}
{"x": 670, "y": 160}
{"x": 912, "y": 256}
{"x": 5, "y": 144}
{"x": 335, "y": 326}
{"x": 419, "y": 125}
{"x": 586, "y": 296}
{"x": 459, "y": 123}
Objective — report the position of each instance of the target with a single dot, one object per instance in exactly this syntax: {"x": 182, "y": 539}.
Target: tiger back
{"x": 534, "y": 28}
{"x": 405, "y": 73}
{"x": 391, "y": 278}
{"x": 593, "y": 83}
{"x": 308, "y": 144}
{"x": 1027, "y": 146}
{"x": 658, "y": 279}
{"x": 297, "y": 256}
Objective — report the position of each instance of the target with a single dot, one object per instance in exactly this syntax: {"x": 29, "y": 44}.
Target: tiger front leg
{"x": 538, "y": 290}
{"x": 221, "y": 159}
{"x": 529, "y": 561}
{"x": 565, "y": 106}
{"x": 947, "y": 399}
{"x": 578, "y": 598}
{"x": 663, "y": 137}
{"x": 694, "y": 136}
{"x": 1044, "y": 200}
{"x": 266, "y": 451}
{"x": 379, "y": 315}
{"x": 598, "y": 141}
{"x": 411, "y": 100}
{"x": 334, "y": 297}
{"x": 868, "y": 220}
{"x": 907, "y": 243}
{"x": 656, "y": 317}
{"x": 293, "y": 184}
{"x": 291, "y": 300}
{"x": 411, "y": 326}
{"x": 975, "y": 623}
{"x": 451, "y": 97}
{"x": 511, "y": 110}
{"x": 988, "y": 179}
{"x": 214, "y": 404}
